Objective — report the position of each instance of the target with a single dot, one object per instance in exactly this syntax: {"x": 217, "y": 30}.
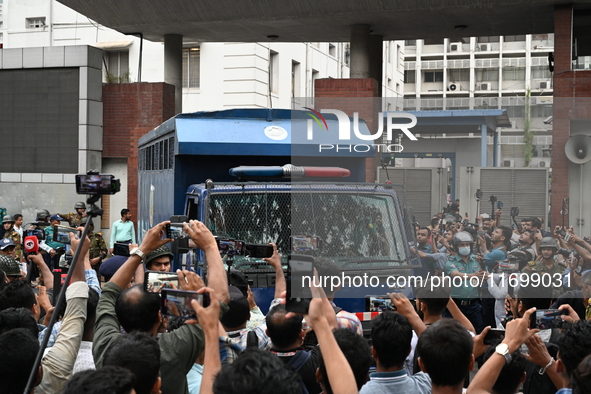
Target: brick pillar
{"x": 368, "y": 105}
{"x": 130, "y": 110}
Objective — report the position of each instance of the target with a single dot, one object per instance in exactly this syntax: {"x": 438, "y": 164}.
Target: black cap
{"x": 111, "y": 265}
{"x": 238, "y": 279}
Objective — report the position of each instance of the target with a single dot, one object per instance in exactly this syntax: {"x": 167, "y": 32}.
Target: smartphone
{"x": 177, "y": 303}
{"x": 378, "y": 303}
{"x": 302, "y": 243}
{"x": 299, "y": 269}
{"x": 120, "y": 249}
{"x": 258, "y": 251}
{"x": 176, "y": 231}
{"x": 549, "y": 318}
{"x": 230, "y": 247}
{"x": 499, "y": 205}
{"x": 61, "y": 234}
{"x": 97, "y": 184}
{"x": 494, "y": 335}
{"x": 156, "y": 281}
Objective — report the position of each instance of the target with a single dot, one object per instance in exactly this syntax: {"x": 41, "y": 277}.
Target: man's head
{"x": 138, "y": 310}
{"x": 10, "y": 267}
{"x": 391, "y": 334}
{"x": 432, "y": 297}
{"x": 139, "y": 353}
{"x": 111, "y": 379}
{"x": 257, "y": 371}
{"x": 18, "y": 351}
{"x": 55, "y": 219}
{"x": 159, "y": 259}
{"x": 12, "y": 318}
{"x": 463, "y": 242}
{"x": 329, "y": 269}
{"x": 7, "y": 247}
{"x": 284, "y": 333}
{"x": 512, "y": 374}
{"x": 80, "y": 207}
{"x": 7, "y": 222}
{"x": 83, "y": 223}
{"x": 423, "y": 235}
{"x": 18, "y": 294}
{"x": 125, "y": 214}
{"x": 548, "y": 247}
{"x": 574, "y": 344}
{"x": 357, "y": 353}
{"x": 586, "y": 280}
{"x": 502, "y": 235}
{"x": 238, "y": 313}
{"x": 526, "y": 238}
{"x": 18, "y": 219}
{"x": 445, "y": 353}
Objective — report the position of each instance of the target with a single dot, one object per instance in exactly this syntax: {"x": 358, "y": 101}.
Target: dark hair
{"x": 435, "y": 297}
{"x": 356, "y": 351}
{"x": 139, "y": 353}
{"x": 391, "y": 334}
{"x": 427, "y": 229}
{"x": 18, "y": 350}
{"x": 12, "y": 318}
{"x": 327, "y": 268}
{"x": 137, "y": 310}
{"x": 17, "y": 216}
{"x": 111, "y": 379}
{"x": 488, "y": 219}
{"x": 445, "y": 350}
{"x": 535, "y": 222}
{"x": 257, "y": 371}
{"x": 581, "y": 377}
{"x": 574, "y": 344}
{"x": 2, "y": 279}
{"x": 17, "y": 294}
{"x": 91, "y": 304}
{"x": 124, "y": 212}
{"x": 510, "y": 377}
{"x": 507, "y": 232}
{"x": 283, "y": 332}
{"x": 534, "y": 296}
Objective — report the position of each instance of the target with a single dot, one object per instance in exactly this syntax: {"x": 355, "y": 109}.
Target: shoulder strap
{"x": 337, "y": 309}
{"x": 252, "y": 340}
{"x": 300, "y": 358}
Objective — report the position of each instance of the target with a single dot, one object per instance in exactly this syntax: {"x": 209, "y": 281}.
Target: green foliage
{"x": 528, "y": 134}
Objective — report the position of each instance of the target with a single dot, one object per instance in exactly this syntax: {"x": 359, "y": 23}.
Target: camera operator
{"x": 54, "y": 220}
{"x": 527, "y": 243}
{"x": 579, "y": 260}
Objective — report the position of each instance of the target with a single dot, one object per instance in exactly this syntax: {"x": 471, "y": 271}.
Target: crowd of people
{"x": 112, "y": 336}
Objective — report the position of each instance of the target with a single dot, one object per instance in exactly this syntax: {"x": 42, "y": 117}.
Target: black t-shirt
{"x": 308, "y": 371}
{"x": 574, "y": 299}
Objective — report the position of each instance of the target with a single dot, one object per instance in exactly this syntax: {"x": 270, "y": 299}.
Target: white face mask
{"x": 464, "y": 251}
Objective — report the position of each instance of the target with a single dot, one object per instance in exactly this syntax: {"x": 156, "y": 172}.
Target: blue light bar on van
{"x": 289, "y": 171}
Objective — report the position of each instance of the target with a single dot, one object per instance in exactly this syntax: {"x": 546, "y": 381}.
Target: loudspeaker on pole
{"x": 578, "y": 149}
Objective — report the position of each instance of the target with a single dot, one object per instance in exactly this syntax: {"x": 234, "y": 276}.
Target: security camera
{"x": 549, "y": 119}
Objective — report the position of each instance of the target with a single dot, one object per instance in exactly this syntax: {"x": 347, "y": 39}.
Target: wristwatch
{"x": 503, "y": 350}
{"x": 137, "y": 252}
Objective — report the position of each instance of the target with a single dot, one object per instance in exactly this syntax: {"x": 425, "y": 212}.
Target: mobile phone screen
{"x": 300, "y": 273}
{"x": 155, "y": 281}
{"x": 61, "y": 234}
{"x": 177, "y": 303}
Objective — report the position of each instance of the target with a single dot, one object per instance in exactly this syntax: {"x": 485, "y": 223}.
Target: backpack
{"x": 297, "y": 362}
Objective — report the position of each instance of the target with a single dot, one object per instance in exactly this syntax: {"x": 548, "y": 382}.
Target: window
{"x": 295, "y": 79}
{"x": 332, "y": 50}
{"x": 409, "y": 76}
{"x": 433, "y": 76}
{"x": 487, "y": 74}
{"x": 431, "y": 41}
{"x": 191, "y": 65}
{"x": 484, "y": 40}
{"x": 35, "y": 23}
{"x": 541, "y": 111}
{"x": 117, "y": 67}
{"x": 540, "y": 72}
{"x": 410, "y": 43}
{"x": 274, "y": 72}
{"x": 516, "y": 111}
{"x": 459, "y": 75}
{"x": 520, "y": 37}
{"x": 315, "y": 76}
{"x": 513, "y": 73}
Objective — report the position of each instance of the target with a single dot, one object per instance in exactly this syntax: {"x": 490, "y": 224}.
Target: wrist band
{"x": 543, "y": 370}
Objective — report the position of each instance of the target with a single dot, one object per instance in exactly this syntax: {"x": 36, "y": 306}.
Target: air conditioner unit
{"x": 543, "y": 164}
{"x": 508, "y": 163}
{"x": 485, "y": 86}
{"x": 452, "y": 87}
{"x": 455, "y": 47}
{"x": 545, "y": 85}
{"x": 485, "y": 47}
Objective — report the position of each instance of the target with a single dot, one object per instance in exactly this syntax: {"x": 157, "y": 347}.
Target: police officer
{"x": 548, "y": 266}
{"x": 75, "y": 219}
{"x": 98, "y": 247}
{"x": 11, "y": 233}
{"x": 466, "y": 277}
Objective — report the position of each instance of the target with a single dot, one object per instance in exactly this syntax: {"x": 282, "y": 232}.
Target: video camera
{"x": 232, "y": 247}
{"x": 565, "y": 252}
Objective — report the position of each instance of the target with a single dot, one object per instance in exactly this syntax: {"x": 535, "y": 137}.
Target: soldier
{"x": 11, "y": 233}
{"x": 75, "y": 219}
{"x": 547, "y": 266}
{"x": 98, "y": 246}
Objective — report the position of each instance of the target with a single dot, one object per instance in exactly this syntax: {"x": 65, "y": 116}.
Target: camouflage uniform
{"x": 73, "y": 218}
{"x": 541, "y": 268}
{"x": 98, "y": 247}
{"x": 16, "y": 238}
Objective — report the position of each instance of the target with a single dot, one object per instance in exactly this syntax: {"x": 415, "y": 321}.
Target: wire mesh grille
{"x": 360, "y": 226}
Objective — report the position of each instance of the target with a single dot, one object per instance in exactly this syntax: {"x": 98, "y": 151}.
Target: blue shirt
{"x": 466, "y": 291}
{"x": 397, "y": 382}
{"x": 497, "y": 254}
